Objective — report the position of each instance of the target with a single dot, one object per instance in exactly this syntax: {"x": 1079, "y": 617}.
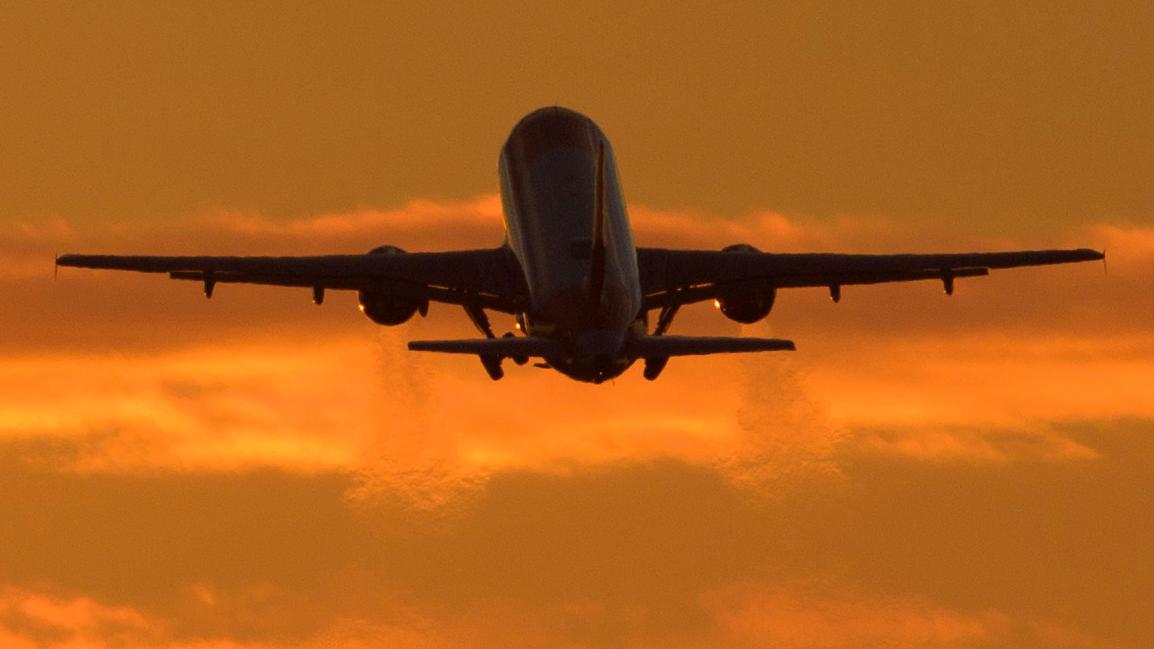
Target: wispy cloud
{"x": 893, "y": 553}
{"x": 802, "y": 616}
{"x": 34, "y": 620}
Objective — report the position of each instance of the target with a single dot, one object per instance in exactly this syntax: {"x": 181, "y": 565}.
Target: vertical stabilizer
{"x": 597, "y": 254}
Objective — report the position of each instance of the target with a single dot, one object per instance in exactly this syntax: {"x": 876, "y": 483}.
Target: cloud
{"x": 417, "y": 220}
{"x": 630, "y": 554}
{"x": 32, "y": 620}
{"x": 185, "y": 410}
{"x": 987, "y": 380}
{"x": 125, "y": 372}
{"x": 755, "y": 616}
{"x": 256, "y": 473}
{"x": 972, "y": 445}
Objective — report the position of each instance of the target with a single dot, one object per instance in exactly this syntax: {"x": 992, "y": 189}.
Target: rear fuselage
{"x": 549, "y": 180}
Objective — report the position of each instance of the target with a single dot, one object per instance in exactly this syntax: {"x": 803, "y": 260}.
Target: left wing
{"x": 486, "y": 278}
{"x": 674, "y": 277}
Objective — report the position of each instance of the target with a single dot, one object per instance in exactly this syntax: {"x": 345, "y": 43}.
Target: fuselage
{"x": 549, "y": 180}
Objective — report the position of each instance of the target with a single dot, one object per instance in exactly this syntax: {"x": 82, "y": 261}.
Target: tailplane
{"x": 657, "y": 350}
{"x": 492, "y": 351}
{"x": 654, "y": 350}
{"x": 530, "y": 346}
{"x": 666, "y": 346}
{"x": 639, "y": 347}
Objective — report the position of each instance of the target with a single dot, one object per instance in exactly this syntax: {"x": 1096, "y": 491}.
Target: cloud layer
{"x": 257, "y": 472}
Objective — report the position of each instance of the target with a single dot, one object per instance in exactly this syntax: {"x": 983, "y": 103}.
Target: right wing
{"x": 675, "y": 277}
{"x": 487, "y": 278}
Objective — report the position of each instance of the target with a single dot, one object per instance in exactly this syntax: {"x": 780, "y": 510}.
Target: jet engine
{"x": 746, "y": 305}
{"x": 384, "y": 307}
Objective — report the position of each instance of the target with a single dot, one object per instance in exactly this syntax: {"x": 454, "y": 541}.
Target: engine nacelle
{"x": 385, "y": 308}
{"x": 746, "y": 305}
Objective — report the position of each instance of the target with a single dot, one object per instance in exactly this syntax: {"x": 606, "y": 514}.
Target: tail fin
{"x": 597, "y": 254}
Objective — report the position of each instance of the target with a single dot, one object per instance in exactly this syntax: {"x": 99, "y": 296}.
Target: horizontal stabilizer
{"x": 666, "y": 346}
{"x": 498, "y": 347}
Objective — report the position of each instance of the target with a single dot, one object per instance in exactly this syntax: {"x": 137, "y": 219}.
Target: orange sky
{"x": 256, "y": 472}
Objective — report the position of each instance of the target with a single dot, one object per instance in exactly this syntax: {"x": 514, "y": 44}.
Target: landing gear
{"x": 653, "y": 367}
{"x": 480, "y": 320}
{"x": 665, "y": 319}
{"x": 492, "y": 366}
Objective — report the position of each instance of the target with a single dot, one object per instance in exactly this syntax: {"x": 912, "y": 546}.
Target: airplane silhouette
{"x": 580, "y": 291}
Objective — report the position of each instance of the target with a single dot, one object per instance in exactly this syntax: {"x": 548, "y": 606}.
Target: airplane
{"x": 579, "y": 290}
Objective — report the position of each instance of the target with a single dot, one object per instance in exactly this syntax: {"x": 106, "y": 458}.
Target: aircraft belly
{"x": 568, "y": 308}
{"x": 553, "y": 221}
{"x": 548, "y": 176}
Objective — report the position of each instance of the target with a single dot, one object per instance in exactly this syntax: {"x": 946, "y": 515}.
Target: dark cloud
{"x": 283, "y": 556}
{"x": 1052, "y": 540}
{"x": 146, "y": 540}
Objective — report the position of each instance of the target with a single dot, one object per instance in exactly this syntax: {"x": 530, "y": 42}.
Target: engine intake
{"x": 746, "y": 305}
{"x": 385, "y": 308}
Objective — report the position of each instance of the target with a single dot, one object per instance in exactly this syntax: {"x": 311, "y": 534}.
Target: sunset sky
{"x": 255, "y": 472}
